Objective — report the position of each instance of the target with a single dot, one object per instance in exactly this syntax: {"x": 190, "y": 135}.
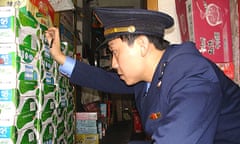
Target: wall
{"x": 172, "y": 34}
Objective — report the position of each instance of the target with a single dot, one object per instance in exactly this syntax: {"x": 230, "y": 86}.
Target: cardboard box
{"x": 86, "y": 130}
{"x": 42, "y": 10}
{"x": 208, "y": 25}
{"x": 86, "y": 116}
{"x": 86, "y": 123}
{"x": 87, "y": 139}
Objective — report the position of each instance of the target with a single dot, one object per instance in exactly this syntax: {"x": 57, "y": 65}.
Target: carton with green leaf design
{"x": 9, "y": 135}
{"x": 17, "y": 75}
{"x": 46, "y": 109}
{"x": 46, "y": 60}
{"x": 8, "y": 25}
{"x": 28, "y": 135}
{"x": 47, "y": 133}
{"x": 19, "y": 113}
{"x": 19, "y": 28}
{"x": 17, "y": 120}
{"x": 24, "y": 79}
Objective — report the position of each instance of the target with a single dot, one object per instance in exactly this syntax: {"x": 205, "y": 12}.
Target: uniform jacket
{"x": 190, "y": 101}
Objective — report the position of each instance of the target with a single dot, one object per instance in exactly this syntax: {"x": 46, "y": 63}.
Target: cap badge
{"x": 130, "y": 29}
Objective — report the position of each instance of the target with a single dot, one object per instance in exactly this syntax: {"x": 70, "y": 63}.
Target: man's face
{"x": 127, "y": 60}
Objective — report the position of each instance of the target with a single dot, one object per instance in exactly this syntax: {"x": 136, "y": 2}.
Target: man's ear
{"x": 143, "y": 43}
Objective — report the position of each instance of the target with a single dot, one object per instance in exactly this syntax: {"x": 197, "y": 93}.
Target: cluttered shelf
{"x": 122, "y": 132}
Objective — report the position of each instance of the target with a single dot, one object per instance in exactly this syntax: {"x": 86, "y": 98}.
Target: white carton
{"x": 12, "y": 53}
{"x": 7, "y": 25}
{"x": 25, "y": 82}
{"x": 9, "y": 135}
{"x": 21, "y": 113}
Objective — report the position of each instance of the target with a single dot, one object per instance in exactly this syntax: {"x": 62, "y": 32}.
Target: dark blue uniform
{"x": 190, "y": 100}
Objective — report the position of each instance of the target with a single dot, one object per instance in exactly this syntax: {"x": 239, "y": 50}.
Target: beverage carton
{"x": 46, "y": 134}
{"x": 20, "y": 114}
{"x": 46, "y": 109}
{"x": 8, "y": 27}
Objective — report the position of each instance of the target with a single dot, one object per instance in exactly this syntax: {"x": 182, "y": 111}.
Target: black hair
{"x": 158, "y": 42}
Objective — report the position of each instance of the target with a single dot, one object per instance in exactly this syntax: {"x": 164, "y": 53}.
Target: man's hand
{"x": 53, "y": 38}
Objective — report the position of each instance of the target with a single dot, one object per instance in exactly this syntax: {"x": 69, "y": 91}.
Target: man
{"x": 182, "y": 97}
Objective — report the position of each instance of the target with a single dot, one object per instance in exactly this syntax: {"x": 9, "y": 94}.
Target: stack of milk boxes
{"x": 34, "y": 108}
{"x": 87, "y": 128}
{"x": 65, "y": 109}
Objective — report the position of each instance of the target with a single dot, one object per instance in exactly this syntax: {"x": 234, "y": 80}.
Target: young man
{"x": 182, "y": 97}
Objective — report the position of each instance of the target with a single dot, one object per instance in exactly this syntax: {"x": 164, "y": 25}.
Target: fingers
{"x": 51, "y": 34}
{"x": 53, "y": 39}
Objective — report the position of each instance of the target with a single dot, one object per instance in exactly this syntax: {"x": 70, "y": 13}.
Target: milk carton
{"x": 8, "y": 27}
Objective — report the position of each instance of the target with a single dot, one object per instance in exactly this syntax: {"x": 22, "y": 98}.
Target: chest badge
{"x": 159, "y": 83}
{"x": 155, "y": 116}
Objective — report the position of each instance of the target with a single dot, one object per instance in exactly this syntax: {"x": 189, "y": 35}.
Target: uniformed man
{"x": 182, "y": 97}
